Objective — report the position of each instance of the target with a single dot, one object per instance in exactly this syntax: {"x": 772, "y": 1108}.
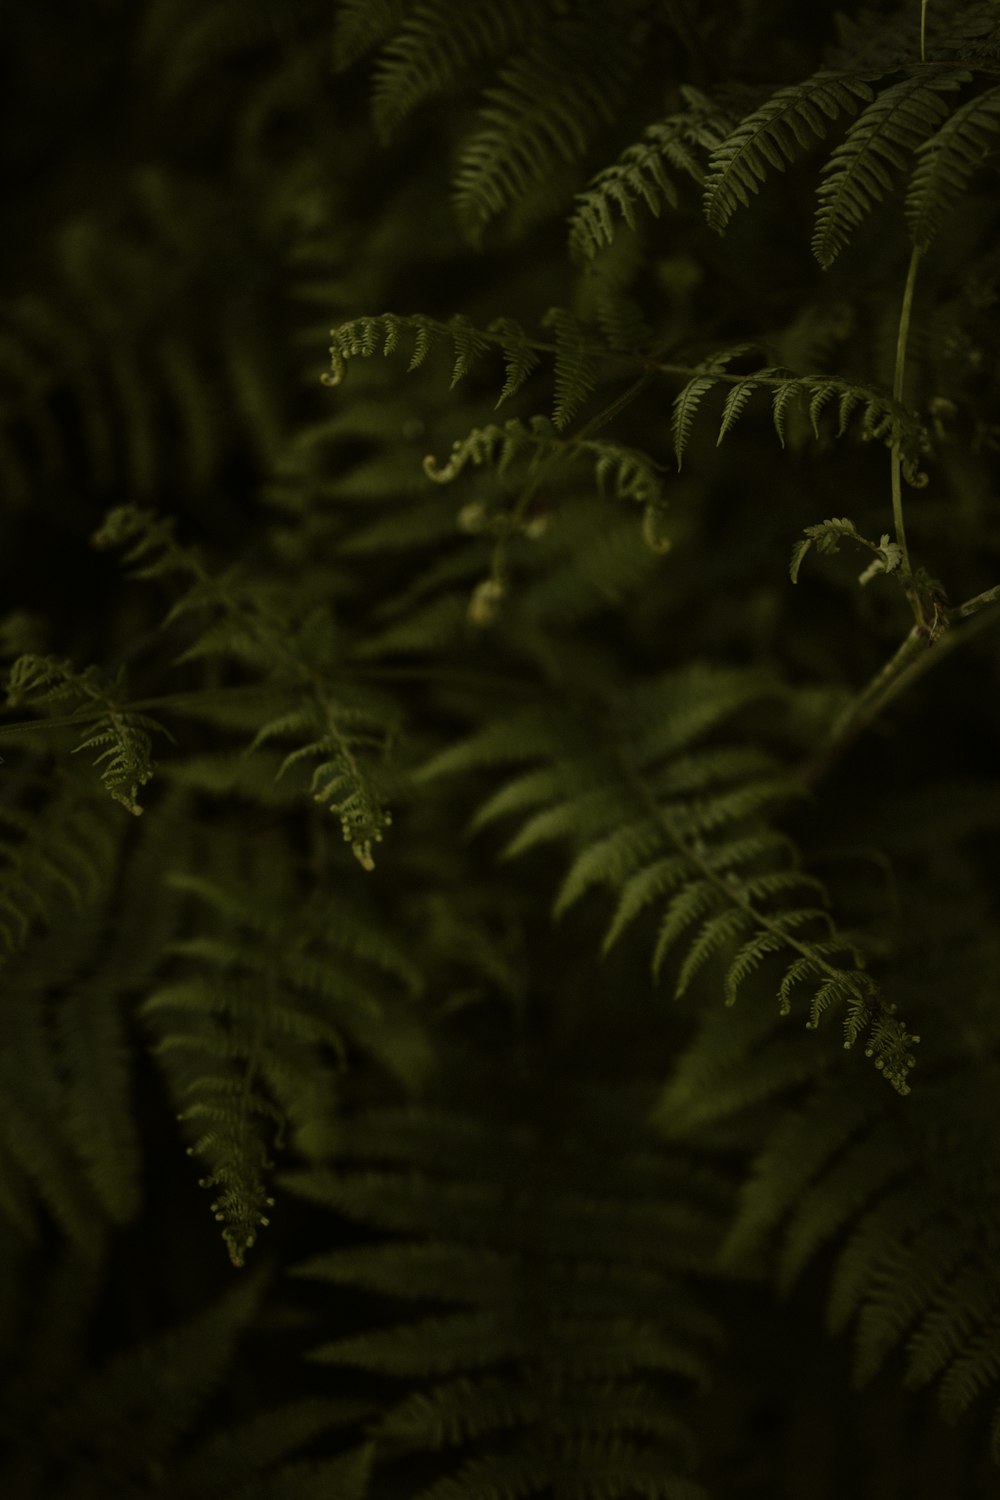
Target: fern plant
{"x": 565, "y": 744}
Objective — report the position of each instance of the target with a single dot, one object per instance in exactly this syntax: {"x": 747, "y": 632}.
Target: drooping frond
{"x": 653, "y": 809}
{"x": 682, "y": 141}
{"x": 774, "y": 135}
{"x": 542, "y": 111}
{"x": 881, "y": 418}
{"x": 340, "y": 728}
{"x": 253, "y": 1038}
{"x": 689, "y": 398}
{"x": 73, "y": 1427}
{"x": 577, "y": 353}
{"x": 361, "y": 26}
{"x": 827, "y": 537}
{"x": 436, "y": 47}
{"x": 879, "y": 143}
{"x": 912, "y": 1271}
{"x": 63, "y": 851}
{"x": 624, "y": 473}
{"x": 946, "y": 163}
{"x": 95, "y": 365}
{"x": 562, "y": 1336}
{"x": 122, "y": 738}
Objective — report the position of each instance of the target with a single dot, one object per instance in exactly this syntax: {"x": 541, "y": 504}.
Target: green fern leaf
{"x": 747, "y": 959}
{"x": 641, "y": 889}
{"x": 609, "y": 860}
{"x": 686, "y": 404}
{"x": 520, "y": 357}
{"x": 736, "y": 402}
{"x": 859, "y": 173}
{"x": 690, "y": 905}
{"x": 543, "y": 111}
{"x": 897, "y": 1218}
{"x": 901, "y": 1281}
{"x": 773, "y": 136}
{"x": 434, "y": 48}
{"x": 361, "y": 26}
{"x": 715, "y": 935}
{"x": 576, "y": 367}
{"x": 946, "y": 163}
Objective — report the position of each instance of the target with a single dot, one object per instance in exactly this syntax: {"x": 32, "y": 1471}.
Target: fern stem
{"x": 923, "y": 31}
{"x": 889, "y": 680}
{"x": 897, "y": 394}
{"x": 911, "y": 659}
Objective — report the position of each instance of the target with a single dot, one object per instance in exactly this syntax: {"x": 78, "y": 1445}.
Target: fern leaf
{"x": 684, "y": 140}
{"x": 860, "y": 171}
{"x": 576, "y": 368}
{"x": 520, "y": 358}
{"x": 539, "y": 113}
{"x": 637, "y": 176}
{"x": 900, "y": 1284}
{"x": 865, "y": 1170}
{"x": 774, "y": 135}
{"x": 610, "y": 860}
{"x": 946, "y": 163}
{"x": 967, "y": 1300}
{"x": 878, "y": 1234}
{"x": 974, "y": 1370}
{"x": 736, "y": 402}
{"x": 747, "y": 959}
{"x": 686, "y": 404}
{"x": 825, "y": 537}
{"x": 434, "y": 48}
{"x": 641, "y": 889}
{"x": 715, "y": 935}
{"x": 690, "y": 905}
{"x": 797, "y": 1152}
{"x": 361, "y": 26}
{"x": 470, "y": 1193}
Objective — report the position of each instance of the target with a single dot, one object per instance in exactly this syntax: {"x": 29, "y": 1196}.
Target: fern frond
{"x": 704, "y": 838}
{"x": 253, "y": 1042}
{"x": 361, "y": 26}
{"x": 685, "y": 407}
{"x": 164, "y": 1385}
{"x": 577, "y": 354}
{"x": 123, "y": 738}
{"x": 860, "y": 171}
{"x": 946, "y": 163}
{"x": 434, "y": 47}
{"x": 34, "y": 1139}
{"x": 773, "y": 136}
{"x": 620, "y": 473}
{"x": 882, "y": 418}
{"x": 683, "y": 140}
{"x": 544, "y": 1373}
{"x": 707, "y": 374}
{"x": 576, "y": 369}
{"x": 521, "y": 357}
{"x": 65, "y": 852}
{"x": 541, "y": 112}
{"x": 345, "y": 734}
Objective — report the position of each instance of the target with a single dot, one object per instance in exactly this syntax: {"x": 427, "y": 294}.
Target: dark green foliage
{"x": 557, "y": 1326}
{"x": 536, "y": 869}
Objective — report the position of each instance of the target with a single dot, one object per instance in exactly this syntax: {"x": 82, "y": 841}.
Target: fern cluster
{"x": 555, "y": 791}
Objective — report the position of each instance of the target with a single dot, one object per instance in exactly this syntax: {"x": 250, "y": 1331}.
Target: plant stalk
{"x": 897, "y": 391}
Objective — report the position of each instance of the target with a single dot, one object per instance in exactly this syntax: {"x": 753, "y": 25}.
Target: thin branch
{"x": 921, "y": 649}
{"x": 897, "y": 395}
